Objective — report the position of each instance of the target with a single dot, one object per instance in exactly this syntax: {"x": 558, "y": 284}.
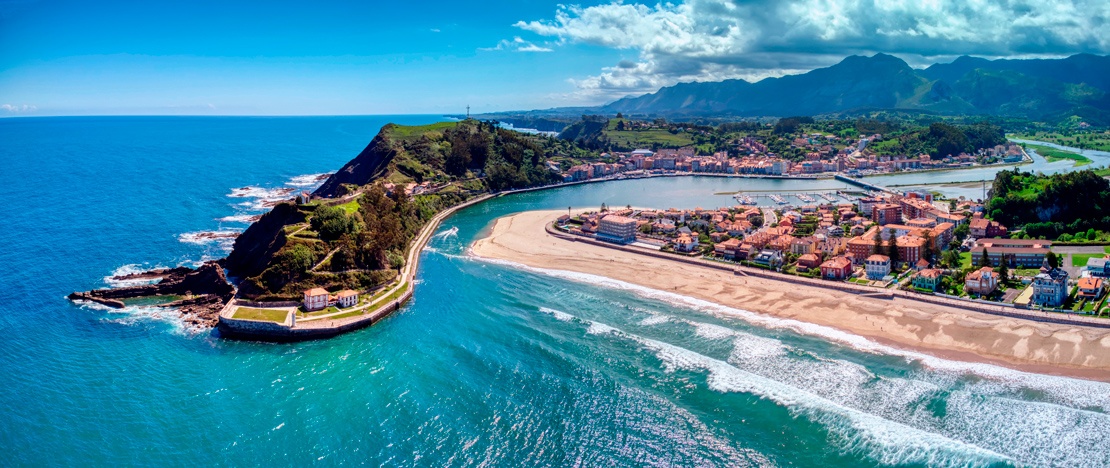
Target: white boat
{"x": 777, "y": 199}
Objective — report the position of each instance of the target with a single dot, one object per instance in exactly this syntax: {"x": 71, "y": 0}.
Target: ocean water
{"x": 491, "y": 364}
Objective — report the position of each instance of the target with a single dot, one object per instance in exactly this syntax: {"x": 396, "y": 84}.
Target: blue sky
{"x": 330, "y": 57}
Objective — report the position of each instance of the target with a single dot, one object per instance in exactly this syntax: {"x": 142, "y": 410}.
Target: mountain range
{"x": 1038, "y": 89}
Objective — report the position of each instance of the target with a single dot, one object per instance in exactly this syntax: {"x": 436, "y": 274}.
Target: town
{"x": 907, "y": 241}
{"x": 821, "y": 154}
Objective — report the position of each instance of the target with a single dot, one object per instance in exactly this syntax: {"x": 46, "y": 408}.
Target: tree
{"x": 1003, "y": 273}
{"x": 985, "y": 260}
{"x": 930, "y": 252}
{"x": 1053, "y": 260}
{"x": 952, "y": 258}
{"x": 893, "y": 253}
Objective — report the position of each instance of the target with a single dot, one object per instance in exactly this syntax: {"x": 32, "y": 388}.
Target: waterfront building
{"x": 315, "y": 299}
{"x": 685, "y": 243}
{"x": 928, "y": 278}
{"x": 619, "y": 229}
{"x": 1050, "y": 288}
{"x": 982, "y": 281}
{"x": 728, "y": 248}
{"x": 877, "y": 266}
{"x": 347, "y": 298}
{"x": 1028, "y": 253}
{"x": 1090, "y": 288}
{"x": 768, "y": 258}
{"x": 809, "y": 260}
{"x": 837, "y": 268}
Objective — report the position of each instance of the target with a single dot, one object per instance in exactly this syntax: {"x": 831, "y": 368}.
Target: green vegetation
{"x": 941, "y": 139}
{"x": 263, "y": 315}
{"x": 1080, "y": 260}
{"x": 1053, "y": 155}
{"x": 1076, "y": 139}
{"x": 1072, "y": 204}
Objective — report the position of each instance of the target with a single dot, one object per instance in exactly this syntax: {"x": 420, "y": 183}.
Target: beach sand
{"x": 946, "y": 332}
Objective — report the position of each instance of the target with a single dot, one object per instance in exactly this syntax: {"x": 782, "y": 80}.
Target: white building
{"x": 618, "y": 229}
{"x": 315, "y": 299}
{"x": 878, "y": 266}
{"x": 347, "y": 298}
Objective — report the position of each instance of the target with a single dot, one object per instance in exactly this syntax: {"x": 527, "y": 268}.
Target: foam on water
{"x": 130, "y": 269}
{"x": 138, "y": 315}
{"x": 240, "y": 218}
{"x": 887, "y": 441}
{"x": 309, "y": 180}
{"x": 1063, "y": 390}
{"x": 224, "y": 238}
{"x": 558, "y": 314}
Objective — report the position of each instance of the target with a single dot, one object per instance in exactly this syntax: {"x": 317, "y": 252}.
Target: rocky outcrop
{"x": 256, "y": 246}
{"x": 372, "y": 163}
{"x": 206, "y": 287}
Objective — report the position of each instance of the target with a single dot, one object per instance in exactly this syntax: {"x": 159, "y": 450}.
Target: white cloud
{"x": 435, "y": 30}
{"x": 718, "y": 39}
{"x": 18, "y": 109}
{"x": 517, "y": 45}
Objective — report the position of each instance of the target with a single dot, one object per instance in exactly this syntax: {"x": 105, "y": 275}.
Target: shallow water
{"x": 491, "y": 363}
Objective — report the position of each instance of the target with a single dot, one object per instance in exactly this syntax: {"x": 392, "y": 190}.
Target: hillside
{"x": 1051, "y": 206}
{"x": 356, "y": 229}
{"x": 1032, "y": 89}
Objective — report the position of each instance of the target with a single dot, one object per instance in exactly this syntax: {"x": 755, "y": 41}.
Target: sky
{"x": 323, "y": 57}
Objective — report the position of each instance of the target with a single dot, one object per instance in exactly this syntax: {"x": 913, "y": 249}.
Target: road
{"x": 769, "y": 217}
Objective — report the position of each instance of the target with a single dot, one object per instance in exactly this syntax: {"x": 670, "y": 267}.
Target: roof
{"x": 1097, "y": 262}
{"x": 878, "y": 258}
{"x": 930, "y": 273}
{"x": 618, "y": 219}
{"x": 837, "y": 262}
{"x": 1090, "y": 283}
{"x": 316, "y": 292}
{"x": 978, "y": 274}
{"x": 346, "y": 293}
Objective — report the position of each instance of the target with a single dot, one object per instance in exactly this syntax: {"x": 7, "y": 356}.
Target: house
{"x": 728, "y": 248}
{"x": 347, "y": 298}
{"x": 685, "y": 243}
{"x": 877, "y": 266}
{"x": 1090, "y": 288}
{"x": 303, "y": 198}
{"x": 1099, "y": 267}
{"x": 981, "y": 227}
{"x": 809, "y": 260}
{"x": 928, "y": 278}
{"x": 803, "y": 245}
{"x": 315, "y": 299}
{"x": 1050, "y": 288}
{"x": 768, "y": 258}
{"x": 982, "y": 281}
{"x": 837, "y": 268}
{"x": 921, "y": 265}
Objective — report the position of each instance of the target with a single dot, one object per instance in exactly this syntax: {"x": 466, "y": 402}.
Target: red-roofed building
{"x": 837, "y": 268}
{"x": 315, "y": 299}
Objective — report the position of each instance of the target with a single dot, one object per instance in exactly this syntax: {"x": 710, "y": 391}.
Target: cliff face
{"x": 254, "y": 249}
{"x": 370, "y": 164}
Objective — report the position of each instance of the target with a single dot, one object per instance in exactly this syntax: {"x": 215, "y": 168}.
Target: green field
{"x": 264, "y": 315}
{"x": 1080, "y": 260}
{"x": 406, "y": 132}
{"x": 1053, "y": 155}
{"x": 350, "y": 207}
{"x": 1089, "y": 140}
{"x": 646, "y": 138}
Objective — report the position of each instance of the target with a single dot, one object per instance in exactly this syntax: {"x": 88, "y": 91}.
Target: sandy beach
{"x": 941, "y": 331}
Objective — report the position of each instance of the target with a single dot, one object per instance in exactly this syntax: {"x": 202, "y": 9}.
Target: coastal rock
{"x": 256, "y": 246}
{"x": 207, "y": 288}
{"x": 372, "y": 163}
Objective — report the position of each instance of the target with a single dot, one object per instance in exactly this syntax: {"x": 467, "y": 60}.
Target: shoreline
{"x": 912, "y": 326}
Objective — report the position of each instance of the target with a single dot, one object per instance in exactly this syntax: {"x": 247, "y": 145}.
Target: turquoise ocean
{"x": 491, "y": 364}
